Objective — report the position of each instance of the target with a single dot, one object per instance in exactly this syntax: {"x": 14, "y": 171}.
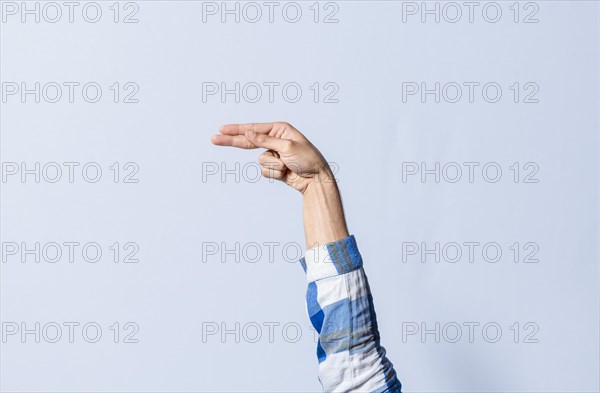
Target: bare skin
{"x": 291, "y": 158}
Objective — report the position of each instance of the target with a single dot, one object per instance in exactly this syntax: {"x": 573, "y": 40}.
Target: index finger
{"x": 240, "y": 129}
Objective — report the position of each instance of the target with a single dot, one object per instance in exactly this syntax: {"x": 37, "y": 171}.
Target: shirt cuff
{"x": 331, "y": 259}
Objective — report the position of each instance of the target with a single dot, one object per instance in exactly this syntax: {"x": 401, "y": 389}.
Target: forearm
{"x": 322, "y": 210}
{"x": 339, "y": 299}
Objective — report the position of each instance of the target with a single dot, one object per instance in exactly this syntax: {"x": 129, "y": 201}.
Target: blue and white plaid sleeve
{"x": 341, "y": 310}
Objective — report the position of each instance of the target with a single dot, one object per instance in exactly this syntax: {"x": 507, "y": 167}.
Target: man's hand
{"x": 290, "y": 157}
{"x": 293, "y": 159}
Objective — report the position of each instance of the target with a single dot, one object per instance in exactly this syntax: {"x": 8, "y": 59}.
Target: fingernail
{"x": 251, "y": 133}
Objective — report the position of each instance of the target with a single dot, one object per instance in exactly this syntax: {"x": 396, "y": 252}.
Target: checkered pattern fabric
{"x": 340, "y": 307}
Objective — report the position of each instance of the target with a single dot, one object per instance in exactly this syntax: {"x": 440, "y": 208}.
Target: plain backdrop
{"x": 540, "y": 319}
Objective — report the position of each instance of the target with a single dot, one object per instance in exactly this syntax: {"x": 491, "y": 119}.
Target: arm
{"x": 339, "y": 301}
{"x": 338, "y": 298}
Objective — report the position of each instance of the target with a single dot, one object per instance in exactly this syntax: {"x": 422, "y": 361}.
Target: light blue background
{"x": 368, "y": 134}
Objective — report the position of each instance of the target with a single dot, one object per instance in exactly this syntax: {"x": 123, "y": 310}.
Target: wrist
{"x": 324, "y": 220}
{"x": 323, "y": 182}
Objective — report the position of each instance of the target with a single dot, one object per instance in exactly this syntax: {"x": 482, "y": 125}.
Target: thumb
{"x": 268, "y": 142}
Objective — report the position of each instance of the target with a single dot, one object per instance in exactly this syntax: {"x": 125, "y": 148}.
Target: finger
{"x": 268, "y": 159}
{"x": 239, "y": 141}
{"x": 269, "y": 142}
{"x": 272, "y": 153}
{"x": 240, "y": 129}
{"x": 271, "y": 173}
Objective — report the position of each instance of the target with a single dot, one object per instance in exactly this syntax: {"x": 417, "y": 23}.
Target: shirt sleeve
{"x": 340, "y": 307}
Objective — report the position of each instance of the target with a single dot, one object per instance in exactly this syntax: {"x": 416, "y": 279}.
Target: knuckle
{"x": 273, "y": 166}
{"x": 285, "y": 125}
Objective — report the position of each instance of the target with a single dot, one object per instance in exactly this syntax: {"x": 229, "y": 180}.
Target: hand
{"x": 293, "y": 159}
{"x": 290, "y": 157}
